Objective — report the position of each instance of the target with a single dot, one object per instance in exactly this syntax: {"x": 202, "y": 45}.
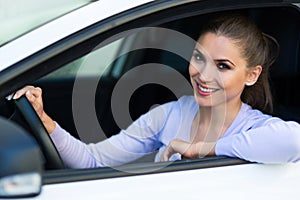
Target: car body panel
{"x": 247, "y": 181}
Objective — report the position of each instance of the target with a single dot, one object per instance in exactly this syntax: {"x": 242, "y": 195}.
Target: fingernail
{"x": 28, "y": 93}
{"x": 16, "y": 96}
{"x": 9, "y": 97}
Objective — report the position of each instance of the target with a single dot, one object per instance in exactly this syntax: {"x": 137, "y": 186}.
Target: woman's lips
{"x": 204, "y": 90}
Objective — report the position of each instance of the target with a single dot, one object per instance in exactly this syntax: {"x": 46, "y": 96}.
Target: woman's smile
{"x": 204, "y": 90}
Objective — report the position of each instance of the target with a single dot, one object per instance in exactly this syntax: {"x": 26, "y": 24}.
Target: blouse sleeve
{"x": 139, "y": 139}
{"x": 277, "y": 142}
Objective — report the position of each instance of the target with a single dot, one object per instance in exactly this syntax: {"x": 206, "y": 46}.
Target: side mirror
{"x": 21, "y": 162}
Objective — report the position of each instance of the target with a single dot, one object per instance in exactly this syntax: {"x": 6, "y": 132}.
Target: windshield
{"x": 18, "y": 16}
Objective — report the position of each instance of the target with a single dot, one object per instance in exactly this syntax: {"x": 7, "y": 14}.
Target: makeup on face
{"x": 217, "y": 70}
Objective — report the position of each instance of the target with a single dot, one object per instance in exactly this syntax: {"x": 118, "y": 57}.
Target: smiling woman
{"x": 216, "y": 121}
{"x": 229, "y": 69}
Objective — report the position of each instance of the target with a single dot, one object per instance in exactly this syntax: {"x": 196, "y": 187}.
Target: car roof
{"x": 19, "y": 17}
{"x": 68, "y": 24}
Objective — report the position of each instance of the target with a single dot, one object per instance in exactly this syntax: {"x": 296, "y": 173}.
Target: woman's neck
{"x": 224, "y": 113}
{"x": 211, "y": 123}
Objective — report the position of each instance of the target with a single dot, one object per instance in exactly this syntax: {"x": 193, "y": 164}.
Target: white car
{"x": 101, "y": 65}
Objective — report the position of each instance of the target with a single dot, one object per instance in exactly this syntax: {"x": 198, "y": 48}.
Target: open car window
{"x": 141, "y": 60}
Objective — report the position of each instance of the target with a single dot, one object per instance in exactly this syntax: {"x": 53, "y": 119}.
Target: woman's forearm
{"x": 48, "y": 123}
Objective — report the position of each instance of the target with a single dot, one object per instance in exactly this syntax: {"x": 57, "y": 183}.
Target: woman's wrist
{"x": 211, "y": 146}
{"x": 49, "y": 124}
{"x": 207, "y": 149}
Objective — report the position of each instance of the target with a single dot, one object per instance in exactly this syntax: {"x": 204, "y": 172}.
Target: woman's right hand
{"x": 34, "y": 96}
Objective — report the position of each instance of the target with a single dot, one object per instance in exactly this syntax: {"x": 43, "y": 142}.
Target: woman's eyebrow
{"x": 225, "y": 60}
{"x": 218, "y": 60}
{"x": 198, "y": 51}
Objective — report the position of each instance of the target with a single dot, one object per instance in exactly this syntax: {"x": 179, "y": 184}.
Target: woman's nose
{"x": 206, "y": 73}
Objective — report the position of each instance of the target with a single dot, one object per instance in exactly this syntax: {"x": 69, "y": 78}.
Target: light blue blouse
{"x": 252, "y": 136}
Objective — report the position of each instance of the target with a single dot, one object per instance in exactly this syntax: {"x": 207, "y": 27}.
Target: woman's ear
{"x": 253, "y": 75}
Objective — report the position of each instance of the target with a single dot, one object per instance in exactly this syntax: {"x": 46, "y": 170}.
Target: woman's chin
{"x": 203, "y": 101}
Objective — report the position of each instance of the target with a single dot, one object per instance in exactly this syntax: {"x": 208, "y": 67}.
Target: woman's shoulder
{"x": 187, "y": 100}
{"x": 182, "y": 102}
{"x": 184, "y": 105}
{"x": 187, "y": 103}
{"x": 176, "y": 107}
{"x": 256, "y": 117}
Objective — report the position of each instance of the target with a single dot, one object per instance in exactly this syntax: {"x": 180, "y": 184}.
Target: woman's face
{"x": 217, "y": 70}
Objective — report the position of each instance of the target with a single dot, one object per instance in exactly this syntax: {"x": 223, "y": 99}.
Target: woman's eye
{"x": 198, "y": 57}
{"x": 223, "y": 66}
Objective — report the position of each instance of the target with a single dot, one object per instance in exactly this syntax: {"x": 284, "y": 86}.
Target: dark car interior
{"x": 284, "y": 74}
{"x": 283, "y": 23}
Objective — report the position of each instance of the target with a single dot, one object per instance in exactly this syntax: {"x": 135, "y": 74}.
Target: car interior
{"x": 284, "y": 74}
{"x": 283, "y": 23}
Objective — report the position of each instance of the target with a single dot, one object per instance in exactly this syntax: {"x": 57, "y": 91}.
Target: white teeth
{"x": 207, "y": 90}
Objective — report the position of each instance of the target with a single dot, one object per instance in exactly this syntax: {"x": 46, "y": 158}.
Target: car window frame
{"x": 76, "y": 175}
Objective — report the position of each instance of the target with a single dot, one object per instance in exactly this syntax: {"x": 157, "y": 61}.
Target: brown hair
{"x": 257, "y": 48}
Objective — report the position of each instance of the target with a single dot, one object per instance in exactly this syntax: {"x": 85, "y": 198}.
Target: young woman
{"x": 229, "y": 75}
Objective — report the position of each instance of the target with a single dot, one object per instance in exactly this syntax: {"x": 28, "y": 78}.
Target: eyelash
{"x": 198, "y": 57}
{"x": 223, "y": 66}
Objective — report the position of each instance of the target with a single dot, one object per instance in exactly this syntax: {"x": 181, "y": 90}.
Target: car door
{"x": 99, "y": 79}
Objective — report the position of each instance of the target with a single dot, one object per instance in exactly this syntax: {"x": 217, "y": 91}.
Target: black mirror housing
{"x": 21, "y": 162}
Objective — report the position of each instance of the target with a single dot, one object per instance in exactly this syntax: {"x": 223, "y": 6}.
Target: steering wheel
{"x": 39, "y": 132}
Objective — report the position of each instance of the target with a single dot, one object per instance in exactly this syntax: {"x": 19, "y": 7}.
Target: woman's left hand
{"x": 188, "y": 150}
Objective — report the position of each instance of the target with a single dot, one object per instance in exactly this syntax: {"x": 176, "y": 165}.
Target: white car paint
{"x": 18, "y": 17}
{"x": 247, "y": 182}
{"x": 70, "y": 23}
